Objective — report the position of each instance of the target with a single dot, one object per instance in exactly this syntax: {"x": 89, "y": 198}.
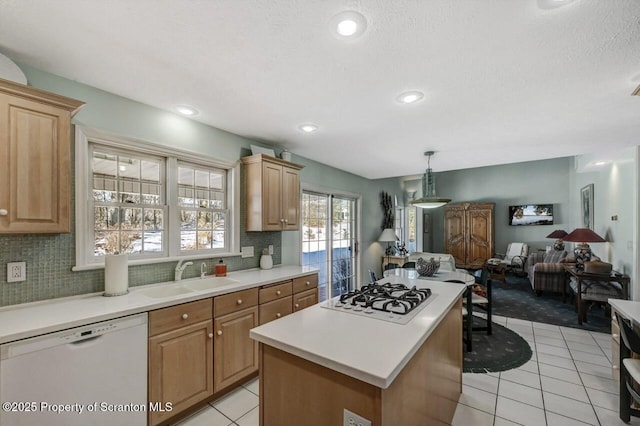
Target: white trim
{"x": 171, "y": 251}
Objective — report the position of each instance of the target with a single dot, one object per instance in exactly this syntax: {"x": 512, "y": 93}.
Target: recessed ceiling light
{"x": 186, "y": 110}
{"x": 308, "y": 127}
{"x": 348, "y": 24}
{"x": 410, "y": 97}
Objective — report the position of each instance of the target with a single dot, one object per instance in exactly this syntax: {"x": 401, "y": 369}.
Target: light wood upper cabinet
{"x": 272, "y": 193}
{"x": 35, "y": 159}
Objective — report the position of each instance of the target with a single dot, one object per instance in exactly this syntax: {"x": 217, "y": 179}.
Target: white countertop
{"x": 32, "y": 319}
{"x": 367, "y": 349}
{"x": 628, "y": 308}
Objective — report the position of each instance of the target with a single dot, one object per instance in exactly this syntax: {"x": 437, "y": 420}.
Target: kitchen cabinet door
{"x": 272, "y": 189}
{"x": 305, "y": 299}
{"x": 35, "y": 160}
{"x": 180, "y": 369}
{"x": 235, "y": 354}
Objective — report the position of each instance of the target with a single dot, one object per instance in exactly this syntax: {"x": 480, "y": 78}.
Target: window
{"x": 151, "y": 202}
{"x": 128, "y": 203}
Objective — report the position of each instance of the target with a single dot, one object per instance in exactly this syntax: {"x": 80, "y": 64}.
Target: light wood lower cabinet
{"x": 276, "y": 309}
{"x": 235, "y": 353}
{"x": 180, "y": 357}
{"x": 305, "y": 299}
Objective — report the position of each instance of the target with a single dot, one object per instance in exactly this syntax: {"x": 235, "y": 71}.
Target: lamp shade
{"x": 558, "y": 233}
{"x": 388, "y": 236}
{"x": 584, "y": 235}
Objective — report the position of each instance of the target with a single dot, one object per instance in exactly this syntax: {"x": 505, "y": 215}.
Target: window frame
{"x": 84, "y": 225}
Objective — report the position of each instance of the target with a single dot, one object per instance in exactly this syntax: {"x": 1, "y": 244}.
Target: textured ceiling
{"x": 505, "y": 81}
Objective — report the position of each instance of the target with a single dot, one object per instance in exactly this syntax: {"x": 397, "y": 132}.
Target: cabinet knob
{"x": 297, "y": 305}
{"x": 210, "y": 335}
{"x": 615, "y": 335}
{"x": 239, "y": 302}
{"x": 219, "y": 332}
{"x": 278, "y": 315}
{"x": 3, "y": 212}
{"x": 286, "y": 221}
{"x": 615, "y": 367}
{"x": 278, "y": 292}
{"x": 185, "y": 316}
{"x": 281, "y": 220}
{"x": 307, "y": 283}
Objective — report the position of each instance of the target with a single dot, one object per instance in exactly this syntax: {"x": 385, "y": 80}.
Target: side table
{"x": 593, "y": 287}
{"x": 496, "y": 272}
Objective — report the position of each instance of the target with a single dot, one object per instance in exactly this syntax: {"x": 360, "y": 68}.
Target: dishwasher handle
{"x": 86, "y": 340}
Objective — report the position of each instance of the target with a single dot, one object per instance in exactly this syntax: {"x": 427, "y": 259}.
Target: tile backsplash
{"x": 50, "y": 258}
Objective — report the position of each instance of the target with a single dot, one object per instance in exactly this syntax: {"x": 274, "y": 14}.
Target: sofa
{"x": 447, "y": 262}
{"x": 546, "y": 272}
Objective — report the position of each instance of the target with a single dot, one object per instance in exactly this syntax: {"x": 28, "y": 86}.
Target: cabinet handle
{"x": 297, "y": 306}
{"x": 278, "y": 293}
{"x": 278, "y": 315}
{"x": 614, "y": 335}
{"x": 239, "y": 302}
{"x": 185, "y": 316}
{"x": 3, "y": 212}
{"x": 210, "y": 335}
{"x": 219, "y": 332}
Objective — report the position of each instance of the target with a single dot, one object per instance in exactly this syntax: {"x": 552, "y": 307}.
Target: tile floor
{"x": 566, "y": 382}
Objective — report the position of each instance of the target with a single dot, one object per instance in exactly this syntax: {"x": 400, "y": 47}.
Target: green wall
{"x": 50, "y": 257}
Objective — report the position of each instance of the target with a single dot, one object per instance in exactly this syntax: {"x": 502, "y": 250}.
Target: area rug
{"x": 516, "y": 299}
{"x": 501, "y": 351}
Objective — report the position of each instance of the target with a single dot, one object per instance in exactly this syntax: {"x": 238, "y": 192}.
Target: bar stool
{"x": 467, "y": 314}
{"x": 629, "y": 370}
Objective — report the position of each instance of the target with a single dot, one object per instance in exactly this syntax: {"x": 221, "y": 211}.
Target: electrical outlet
{"x": 352, "y": 419}
{"x": 16, "y": 271}
{"x": 247, "y": 251}
{"x": 270, "y": 248}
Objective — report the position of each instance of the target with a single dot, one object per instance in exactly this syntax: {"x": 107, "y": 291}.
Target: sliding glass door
{"x": 329, "y": 241}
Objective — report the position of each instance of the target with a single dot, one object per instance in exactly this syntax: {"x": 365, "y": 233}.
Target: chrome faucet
{"x": 180, "y": 267}
{"x": 203, "y": 270}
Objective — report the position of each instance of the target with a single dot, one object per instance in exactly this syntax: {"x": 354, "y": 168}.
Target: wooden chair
{"x": 629, "y": 370}
{"x": 483, "y": 301}
{"x": 467, "y": 315}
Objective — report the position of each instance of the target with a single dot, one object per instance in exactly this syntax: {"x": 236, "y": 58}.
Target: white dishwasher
{"x": 91, "y": 375}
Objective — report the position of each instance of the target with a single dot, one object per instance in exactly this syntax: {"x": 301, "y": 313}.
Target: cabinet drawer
{"x": 304, "y": 299}
{"x": 276, "y": 291}
{"x": 171, "y": 318}
{"x": 234, "y": 302}
{"x": 305, "y": 283}
{"x": 274, "y": 310}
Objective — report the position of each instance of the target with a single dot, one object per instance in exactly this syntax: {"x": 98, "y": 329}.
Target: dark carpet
{"x": 501, "y": 351}
{"x": 516, "y": 299}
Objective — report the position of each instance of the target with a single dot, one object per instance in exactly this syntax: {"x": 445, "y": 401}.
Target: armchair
{"x": 515, "y": 258}
{"x": 546, "y": 272}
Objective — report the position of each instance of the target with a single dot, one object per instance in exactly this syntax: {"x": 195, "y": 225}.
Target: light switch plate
{"x": 16, "y": 271}
{"x": 247, "y": 251}
{"x": 270, "y": 248}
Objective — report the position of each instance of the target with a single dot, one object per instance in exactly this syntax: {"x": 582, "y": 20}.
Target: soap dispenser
{"x": 266, "y": 261}
{"x": 221, "y": 269}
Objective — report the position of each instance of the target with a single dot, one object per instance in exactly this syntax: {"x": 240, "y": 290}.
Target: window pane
{"x": 217, "y": 180}
{"x": 131, "y": 242}
{"x": 202, "y": 179}
{"x": 188, "y": 220}
{"x": 150, "y": 171}
{"x": 204, "y": 220}
{"x": 187, "y": 240}
{"x": 131, "y": 218}
{"x": 113, "y": 218}
{"x": 217, "y": 200}
{"x": 153, "y": 219}
{"x": 186, "y": 196}
{"x": 204, "y": 239}
{"x": 218, "y": 239}
{"x": 186, "y": 176}
{"x": 152, "y": 241}
{"x": 101, "y": 217}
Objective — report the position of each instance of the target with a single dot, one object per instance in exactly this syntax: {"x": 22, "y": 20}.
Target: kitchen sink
{"x": 160, "y": 292}
{"x": 208, "y": 283}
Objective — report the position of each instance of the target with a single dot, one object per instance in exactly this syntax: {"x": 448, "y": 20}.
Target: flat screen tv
{"x": 531, "y": 214}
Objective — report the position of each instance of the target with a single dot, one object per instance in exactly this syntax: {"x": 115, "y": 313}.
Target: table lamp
{"x": 388, "y": 235}
{"x": 582, "y": 251}
{"x": 559, "y": 234}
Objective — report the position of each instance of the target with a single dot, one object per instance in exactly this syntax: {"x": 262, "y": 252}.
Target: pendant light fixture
{"x": 429, "y": 199}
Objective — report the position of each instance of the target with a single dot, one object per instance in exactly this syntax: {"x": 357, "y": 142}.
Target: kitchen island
{"x": 319, "y": 362}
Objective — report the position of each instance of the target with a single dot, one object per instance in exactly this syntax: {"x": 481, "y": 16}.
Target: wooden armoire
{"x": 469, "y": 233}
